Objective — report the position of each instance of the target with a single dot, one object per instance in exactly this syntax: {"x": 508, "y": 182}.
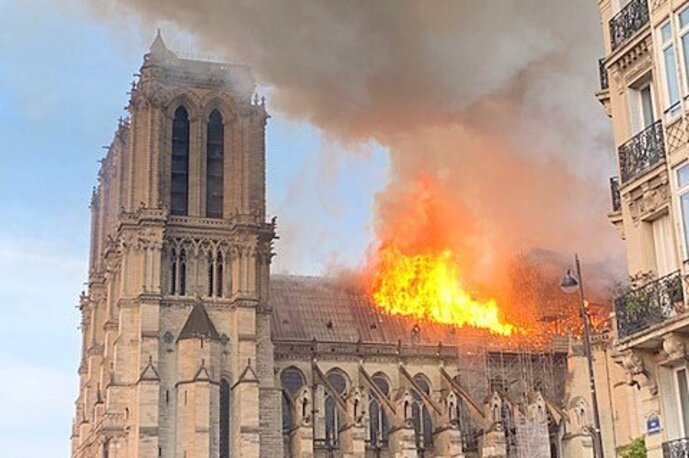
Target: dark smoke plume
{"x": 492, "y": 99}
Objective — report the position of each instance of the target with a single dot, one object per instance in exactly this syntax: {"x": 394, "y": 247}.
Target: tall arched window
{"x": 423, "y": 425}
{"x": 470, "y": 432}
{"x": 173, "y": 271}
{"x": 291, "y": 380}
{"x": 211, "y": 271}
{"x": 378, "y": 422}
{"x": 179, "y": 181}
{"x": 224, "y": 419}
{"x": 214, "y": 165}
{"x": 333, "y": 417}
{"x": 219, "y": 275}
{"x": 182, "y": 268}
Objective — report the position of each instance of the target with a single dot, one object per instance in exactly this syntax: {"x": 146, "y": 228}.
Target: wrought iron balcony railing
{"x": 651, "y": 304}
{"x": 603, "y": 73}
{"x": 676, "y": 449}
{"x": 641, "y": 152}
{"x": 627, "y": 22}
{"x": 615, "y": 194}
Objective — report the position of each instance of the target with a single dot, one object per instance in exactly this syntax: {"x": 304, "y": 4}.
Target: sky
{"x": 64, "y": 75}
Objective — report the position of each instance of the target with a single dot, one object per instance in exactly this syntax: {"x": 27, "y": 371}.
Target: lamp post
{"x": 570, "y": 284}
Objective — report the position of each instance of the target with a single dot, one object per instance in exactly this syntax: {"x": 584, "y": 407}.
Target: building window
{"x": 173, "y": 271}
{"x": 224, "y": 419}
{"x": 669, "y": 66}
{"x": 292, "y": 380}
{"x": 211, "y": 270}
{"x": 179, "y": 182}
{"x": 663, "y": 246}
{"x": 219, "y": 275}
{"x": 683, "y": 194}
{"x": 333, "y": 417}
{"x": 683, "y": 20}
{"x": 214, "y": 165}
{"x": 641, "y": 111}
{"x": 182, "y": 268}
{"x": 378, "y": 421}
{"x": 423, "y": 425}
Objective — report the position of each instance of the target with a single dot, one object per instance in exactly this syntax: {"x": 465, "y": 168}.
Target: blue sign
{"x": 652, "y": 424}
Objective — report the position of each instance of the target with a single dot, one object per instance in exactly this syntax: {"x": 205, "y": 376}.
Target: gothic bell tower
{"x": 177, "y": 359}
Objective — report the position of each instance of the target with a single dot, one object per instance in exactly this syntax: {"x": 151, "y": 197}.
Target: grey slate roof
{"x": 198, "y": 324}
{"x": 331, "y": 310}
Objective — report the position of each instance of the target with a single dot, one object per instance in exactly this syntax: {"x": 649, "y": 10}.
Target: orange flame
{"x": 427, "y": 287}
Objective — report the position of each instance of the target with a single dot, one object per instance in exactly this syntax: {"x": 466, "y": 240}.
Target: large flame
{"x": 428, "y": 287}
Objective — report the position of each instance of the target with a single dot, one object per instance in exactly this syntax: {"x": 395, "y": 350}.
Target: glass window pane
{"x": 647, "y": 106}
{"x": 684, "y": 18}
{"x": 685, "y": 55}
{"x": 666, "y": 33}
{"x": 683, "y": 176}
{"x": 685, "y": 218}
{"x": 683, "y": 398}
{"x": 671, "y": 76}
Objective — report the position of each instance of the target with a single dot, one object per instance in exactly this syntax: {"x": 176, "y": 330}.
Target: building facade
{"x": 191, "y": 349}
{"x": 645, "y": 91}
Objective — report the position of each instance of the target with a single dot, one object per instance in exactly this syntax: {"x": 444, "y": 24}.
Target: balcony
{"x": 627, "y": 22}
{"x": 615, "y": 194}
{"x": 641, "y": 152}
{"x": 676, "y": 449}
{"x": 649, "y": 305}
{"x": 603, "y": 74}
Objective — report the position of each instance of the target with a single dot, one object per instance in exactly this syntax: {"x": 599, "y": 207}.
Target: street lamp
{"x": 570, "y": 284}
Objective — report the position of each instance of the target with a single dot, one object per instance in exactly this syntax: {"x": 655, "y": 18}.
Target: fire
{"x": 428, "y": 287}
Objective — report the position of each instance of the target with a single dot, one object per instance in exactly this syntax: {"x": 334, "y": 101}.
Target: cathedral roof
{"x": 198, "y": 324}
{"x": 333, "y": 310}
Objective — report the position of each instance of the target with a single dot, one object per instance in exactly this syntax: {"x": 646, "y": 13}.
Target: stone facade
{"x": 646, "y": 98}
{"x": 191, "y": 349}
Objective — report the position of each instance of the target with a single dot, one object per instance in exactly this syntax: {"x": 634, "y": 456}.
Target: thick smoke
{"x": 492, "y": 99}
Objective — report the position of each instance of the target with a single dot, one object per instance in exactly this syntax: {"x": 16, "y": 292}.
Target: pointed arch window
{"x": 378, "y": 421}
{"x": 219, "y": 274}
{"x": 224, "y": 419}
{"x": 182, "y": 268}
{"x": 179, "y": 180}
{"x": 423, "y": 425}
{"x": 292, "y": 380}
{"x": 333, "y": 417}
{"x": 173, "y": 271}
{"x": 211, "y": 272}
{"x": 470, "y": 432}
{"x": 215, "y": 146}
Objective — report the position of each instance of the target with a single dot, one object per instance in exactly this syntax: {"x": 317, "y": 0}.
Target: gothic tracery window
{"x": 333, "y": 417}
{"x": 378, "y": 421}
{"x": 224, "y": 419}
{"x": 179, "y": 179}
{"x": 291, "y": 380}
{"x": 214, "y": 165}
{"x": 423, "y": 425}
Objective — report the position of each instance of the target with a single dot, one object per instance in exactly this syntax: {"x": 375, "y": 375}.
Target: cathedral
{"x": 192, "y": 349}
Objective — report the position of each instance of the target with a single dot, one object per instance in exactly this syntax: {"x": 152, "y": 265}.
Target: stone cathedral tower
{"x": 177, "y": 359}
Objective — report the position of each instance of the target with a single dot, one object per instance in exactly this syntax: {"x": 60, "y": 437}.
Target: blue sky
{"x": 63, "y": 82}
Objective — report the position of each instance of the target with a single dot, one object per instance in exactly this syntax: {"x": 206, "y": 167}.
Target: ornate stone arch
{"x": 185, "y": 98}
{"x": 221, "y": 102}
